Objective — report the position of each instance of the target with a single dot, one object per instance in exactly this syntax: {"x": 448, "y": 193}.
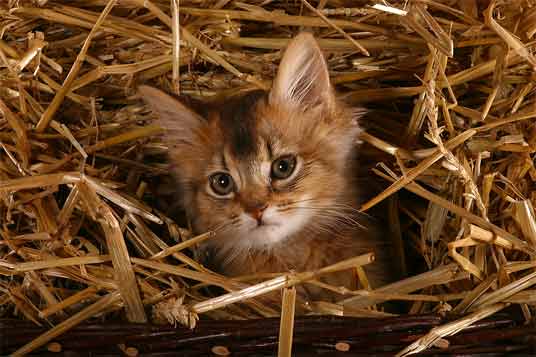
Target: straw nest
{"x": 81, "y": 164}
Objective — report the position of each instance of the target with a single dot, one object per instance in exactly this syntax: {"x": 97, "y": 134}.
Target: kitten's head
{"x": 261, "y": 168}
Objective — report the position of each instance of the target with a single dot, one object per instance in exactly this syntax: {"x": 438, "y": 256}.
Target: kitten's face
{"x": 264, "y": 167}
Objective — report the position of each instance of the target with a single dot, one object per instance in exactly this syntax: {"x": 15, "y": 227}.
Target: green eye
{"x": 283, "y": 167}
{"x": 221, "y": 183}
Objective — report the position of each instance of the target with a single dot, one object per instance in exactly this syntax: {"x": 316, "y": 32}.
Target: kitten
{"x": 273, "y": 173}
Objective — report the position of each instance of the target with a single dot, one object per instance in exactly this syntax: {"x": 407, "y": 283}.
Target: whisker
{"x": 337, "y": 205}
{"x": 285, "y": 204}
{"x": 326, "y": 212}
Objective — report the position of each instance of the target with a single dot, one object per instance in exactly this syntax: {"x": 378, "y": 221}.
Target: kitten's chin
{"x": 267, "y": 235}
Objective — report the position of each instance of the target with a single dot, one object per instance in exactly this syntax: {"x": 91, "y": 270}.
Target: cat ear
{"x": 179, "y": 121}
{"x": 302, "y": 79}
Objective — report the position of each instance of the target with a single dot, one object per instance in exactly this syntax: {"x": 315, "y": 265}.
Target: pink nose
{"x": 257, "y": 212}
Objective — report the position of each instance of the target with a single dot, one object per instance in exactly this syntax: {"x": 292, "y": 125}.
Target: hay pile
{"x": 82, "y": 235}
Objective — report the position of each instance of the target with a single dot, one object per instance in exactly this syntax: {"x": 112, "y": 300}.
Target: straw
{"x": 58, "y": 98}
{"x": 287, "y": 322}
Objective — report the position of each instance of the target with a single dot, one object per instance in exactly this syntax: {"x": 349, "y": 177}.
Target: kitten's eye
{"x": 283, "y": 167}
{"x": 221, "y": 183}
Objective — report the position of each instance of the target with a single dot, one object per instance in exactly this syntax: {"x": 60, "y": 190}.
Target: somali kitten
{"x": 273, "y": 173}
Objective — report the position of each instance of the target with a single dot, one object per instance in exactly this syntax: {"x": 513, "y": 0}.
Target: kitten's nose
{"x": 257, "y": 211}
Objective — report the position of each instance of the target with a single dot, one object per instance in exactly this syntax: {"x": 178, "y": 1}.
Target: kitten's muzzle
{"x": 256, "y": 212}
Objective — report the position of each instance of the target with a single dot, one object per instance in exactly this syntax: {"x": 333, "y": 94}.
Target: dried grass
{"x": 81, "y": 162}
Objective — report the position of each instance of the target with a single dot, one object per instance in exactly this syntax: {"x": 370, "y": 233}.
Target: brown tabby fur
{"x": 312, "y": 220}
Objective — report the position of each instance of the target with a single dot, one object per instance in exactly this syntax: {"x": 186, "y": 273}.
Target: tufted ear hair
{"x": 179, "y": 121}
{"x": 303, "y": 78}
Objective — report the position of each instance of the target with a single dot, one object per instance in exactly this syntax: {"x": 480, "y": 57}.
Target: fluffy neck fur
{"x": 307, "y": 220}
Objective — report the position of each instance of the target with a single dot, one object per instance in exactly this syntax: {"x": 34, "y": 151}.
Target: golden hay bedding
{"x": 452, "y": 87}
